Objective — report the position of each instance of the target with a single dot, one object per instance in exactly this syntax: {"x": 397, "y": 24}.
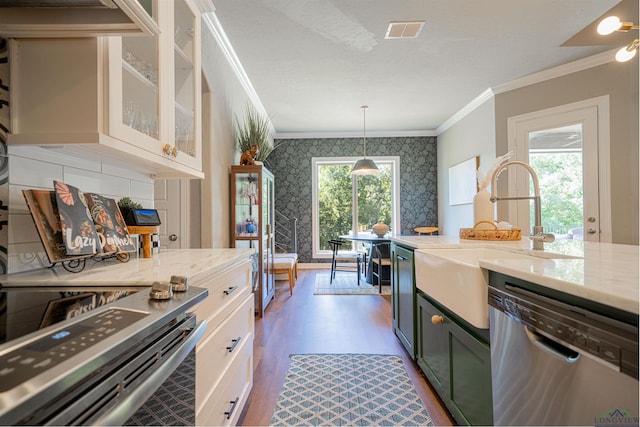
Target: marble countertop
{"x": 195, "y": 264}
{"x": 603, "y": 272}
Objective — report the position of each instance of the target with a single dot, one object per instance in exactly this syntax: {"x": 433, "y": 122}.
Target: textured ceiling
{"x": 313, "y": 63}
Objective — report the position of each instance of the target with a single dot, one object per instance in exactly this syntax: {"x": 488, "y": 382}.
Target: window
{"x": 345, "y": 203}
{"x": 556, "y": 156}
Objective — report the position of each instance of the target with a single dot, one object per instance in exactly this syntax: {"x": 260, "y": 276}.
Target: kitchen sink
{"x": 454, "y": 278}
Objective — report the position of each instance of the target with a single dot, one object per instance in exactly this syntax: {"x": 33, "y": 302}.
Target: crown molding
{"x": 464, "y": 111}
{"x": 211, "y": 21}
{"x": 558, "y": 71}
{"x": 548, "y": 74}
{"x": 374, "y": 134}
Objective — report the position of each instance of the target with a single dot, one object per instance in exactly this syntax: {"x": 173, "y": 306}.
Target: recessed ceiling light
{"x": 403, "y": 29}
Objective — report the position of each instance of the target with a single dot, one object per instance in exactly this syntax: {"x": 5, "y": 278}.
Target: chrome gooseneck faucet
{"x": 538, "y": 237}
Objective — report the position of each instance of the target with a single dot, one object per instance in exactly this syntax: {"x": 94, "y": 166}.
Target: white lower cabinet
{"x": 224, "y": 355}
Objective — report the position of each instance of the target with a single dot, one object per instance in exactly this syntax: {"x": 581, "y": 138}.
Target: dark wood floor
{"x": 307, "y": 323}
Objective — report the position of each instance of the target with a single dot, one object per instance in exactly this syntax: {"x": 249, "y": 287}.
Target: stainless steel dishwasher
{"x": 557, "y": 359}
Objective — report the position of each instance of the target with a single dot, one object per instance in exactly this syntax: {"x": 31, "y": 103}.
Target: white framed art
{"x": 463, "y": 183}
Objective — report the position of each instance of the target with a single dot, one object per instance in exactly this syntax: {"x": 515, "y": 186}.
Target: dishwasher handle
{"x": 552, "y": 347}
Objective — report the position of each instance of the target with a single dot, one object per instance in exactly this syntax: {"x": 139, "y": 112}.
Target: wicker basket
{"x": 495, "y": 234}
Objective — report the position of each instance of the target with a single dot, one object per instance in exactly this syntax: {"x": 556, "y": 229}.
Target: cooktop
{"x": 25, "y": 310}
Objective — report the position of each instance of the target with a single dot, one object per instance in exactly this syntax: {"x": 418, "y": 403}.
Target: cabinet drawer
{"x": 217, "y": 351}
{"x": 234, "y": 386}
{"x": 225, "y": 293}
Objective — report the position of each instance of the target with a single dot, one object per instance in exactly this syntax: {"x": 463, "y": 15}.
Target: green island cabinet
{"x": 454, "y": 355}
{"x": 403, "y": 297}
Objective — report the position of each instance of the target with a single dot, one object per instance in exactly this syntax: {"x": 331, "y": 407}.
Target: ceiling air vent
{"x": 404, "y": 29}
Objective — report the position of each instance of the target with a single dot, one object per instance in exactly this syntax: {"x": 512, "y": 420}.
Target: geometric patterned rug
{"x": 348, "y": 390}
{"x": 346, "y": 283}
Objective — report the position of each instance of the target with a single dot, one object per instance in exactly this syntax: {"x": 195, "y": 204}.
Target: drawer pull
{"x": 232, "y": 407}
{"x": 234, "y": 344}
{"x": 231, "y": 290}
{"x": 435, "y": 319}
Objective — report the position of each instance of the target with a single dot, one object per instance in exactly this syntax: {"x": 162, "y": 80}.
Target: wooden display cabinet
{"x": 252, "y": 217}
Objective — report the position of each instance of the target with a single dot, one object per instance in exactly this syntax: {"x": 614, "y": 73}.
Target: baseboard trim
{"x": 314, "y": 266}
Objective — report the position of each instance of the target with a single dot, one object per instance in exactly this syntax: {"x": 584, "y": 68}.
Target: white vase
{"x": 483, "y": 209}
{"x": 380, "y": 229}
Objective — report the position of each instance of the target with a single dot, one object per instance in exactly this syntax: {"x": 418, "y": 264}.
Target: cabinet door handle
{"x": 232, "y": 407}
{"x": 166, "y": 149}
{"x": 402, "y": 258}
{"x": 234, "y": 344}
{"x": 174, "y": 151}
{"x": 437, "y": 320}
{"x": 231, "y": 290}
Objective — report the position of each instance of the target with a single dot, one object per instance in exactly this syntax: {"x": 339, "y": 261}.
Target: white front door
{"x": 170, "y": 202}
{"x": 568, "y": 147}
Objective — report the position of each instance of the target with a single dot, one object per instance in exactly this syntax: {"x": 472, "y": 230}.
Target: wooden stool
{"x": 287, "y": 266}
{"x": 290, "y": 255}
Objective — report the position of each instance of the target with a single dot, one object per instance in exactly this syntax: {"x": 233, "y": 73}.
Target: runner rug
{"x": 346, "y": 283}
{"x": 348, "y": 390}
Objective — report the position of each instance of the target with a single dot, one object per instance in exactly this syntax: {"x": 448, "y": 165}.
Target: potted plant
{"x": 126, "y": 205}
{"x": 254, "y": 130}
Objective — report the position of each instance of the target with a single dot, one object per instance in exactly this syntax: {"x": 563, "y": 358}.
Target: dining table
{"x": 373, "y": 240}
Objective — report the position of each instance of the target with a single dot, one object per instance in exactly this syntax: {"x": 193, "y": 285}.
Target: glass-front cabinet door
{"x": 252, "y": 216}
{"x": 185, "y": 79}
{"x": 135, "y": 104}
{"x": 155, "y": 96}
{"x": 269, "y": 287}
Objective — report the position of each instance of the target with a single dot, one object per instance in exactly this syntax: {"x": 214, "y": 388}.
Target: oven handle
{"x": 127, "y": 406}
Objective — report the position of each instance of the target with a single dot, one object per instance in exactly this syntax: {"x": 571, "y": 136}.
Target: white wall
{"x": 473, "y": 135}
{"x": 224, "y": 99}
{"x": 36, "y": 168}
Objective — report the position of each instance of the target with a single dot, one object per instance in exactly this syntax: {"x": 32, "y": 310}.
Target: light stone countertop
{"x": 603, "y": 272}
{"x": 195, "y": 264}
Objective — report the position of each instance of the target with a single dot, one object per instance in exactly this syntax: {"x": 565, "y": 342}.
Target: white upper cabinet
{"x": 64, "y": 18}
{"x": 131, "y": 99}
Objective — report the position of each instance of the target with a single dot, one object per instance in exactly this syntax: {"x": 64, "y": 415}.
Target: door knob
{"x": 436, "y": 320}
{"x": 173, "y": 237}
{"x": 591, "y": 219}
{"x": 591, "y": 231}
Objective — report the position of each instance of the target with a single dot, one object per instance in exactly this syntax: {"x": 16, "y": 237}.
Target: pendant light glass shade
{"x": 364, "y": 166}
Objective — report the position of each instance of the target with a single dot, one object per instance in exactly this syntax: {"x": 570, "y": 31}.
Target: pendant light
{"x": 364, "y": 166}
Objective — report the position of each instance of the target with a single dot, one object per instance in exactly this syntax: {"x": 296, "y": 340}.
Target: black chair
{"x": 345, "y": 261}
{"x": 381, "y": 261}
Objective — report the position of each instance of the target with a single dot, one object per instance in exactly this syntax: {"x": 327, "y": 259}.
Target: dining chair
{"x": 380, "y": 260}
{"x": 425, "y": 230}
{"x": 344, "y": 261}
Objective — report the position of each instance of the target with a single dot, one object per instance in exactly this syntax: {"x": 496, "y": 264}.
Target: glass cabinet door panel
{"x": 185, "y": 75}
{"x": 140, "y": 73}
{"x": 246, "y": 207}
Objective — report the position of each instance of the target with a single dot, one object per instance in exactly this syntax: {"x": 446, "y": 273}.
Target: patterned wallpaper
{"x": 290, "y": 163}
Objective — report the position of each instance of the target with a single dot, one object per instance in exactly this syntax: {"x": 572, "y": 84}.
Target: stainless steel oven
{"x": 97, "y": 356}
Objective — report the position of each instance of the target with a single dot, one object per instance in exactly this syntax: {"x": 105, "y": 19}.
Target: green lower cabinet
{"x": 457, "y": 364}
{"x": 403, "y": 295}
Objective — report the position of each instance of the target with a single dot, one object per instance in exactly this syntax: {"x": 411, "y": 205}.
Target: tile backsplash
{"x": 34, "y": 167}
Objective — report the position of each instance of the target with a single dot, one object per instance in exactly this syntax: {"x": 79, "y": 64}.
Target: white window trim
{"x": 395, "y": 201}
